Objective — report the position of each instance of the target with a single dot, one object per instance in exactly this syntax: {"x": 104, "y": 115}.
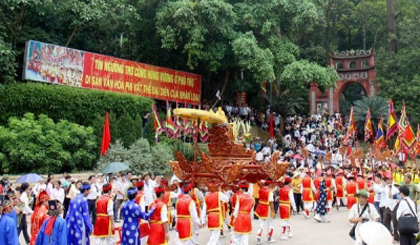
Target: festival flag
{"x": 218, "y": 95}
{"x": 169, "y": 124}
{"x": 157, "y": 122}
{"x": 177, "y": 125}
{"x": 106, "y": 136}
{"x": 204, "y": 132}
{"x": 416, "y": 150}
{"x": 352, "y": 125}
{"x": 368, "y": 126}
{"x": 264, "y": 89}
{"x": 380, "y": 138}
{"x": 406, "y": 133}
{"x": 391, "y": 126}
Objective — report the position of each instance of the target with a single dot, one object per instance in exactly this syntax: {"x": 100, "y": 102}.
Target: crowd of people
{"x": 143, "y": 209}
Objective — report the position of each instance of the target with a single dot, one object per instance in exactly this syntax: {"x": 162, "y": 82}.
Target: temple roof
{"x": 352, "y": 54}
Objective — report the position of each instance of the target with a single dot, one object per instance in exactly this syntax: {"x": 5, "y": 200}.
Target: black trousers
{"x": 255, "y": 207}
{"x": 92, "y": 210}
{"x": 298, "y": 201}
{"x": 388, "y": 216}
{"x": 66, "y": 206}
{"x": 407, "y": 239}
{"x": 23, "y": 227}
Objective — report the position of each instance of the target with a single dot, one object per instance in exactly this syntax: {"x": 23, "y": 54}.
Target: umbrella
{"x": 29, "y": 178}
{"x": 298, "y": 157}
{"x": 320, "y": 152}
{"x": 115, "y": 167}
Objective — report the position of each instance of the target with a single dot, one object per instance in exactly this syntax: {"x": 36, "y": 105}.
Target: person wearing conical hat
{"x": 361, "y": 213}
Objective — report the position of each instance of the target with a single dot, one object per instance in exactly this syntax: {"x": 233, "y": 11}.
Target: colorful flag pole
{"x": 351, "y": 131}
{"x": 406, "y": 133}
{"x": 380, "y": 139}
{"x": 368, "y": 126}
{"x": 106, "y": 136}
{"x": 157, "y": 122}
{"x": 391, "y": 126}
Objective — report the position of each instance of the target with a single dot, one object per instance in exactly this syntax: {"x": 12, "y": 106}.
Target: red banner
{"x": 59, "y": 65}
{"x": 240, "y": 98}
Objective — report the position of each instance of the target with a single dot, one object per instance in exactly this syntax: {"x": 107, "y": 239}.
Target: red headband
{"x": 243, "y": 184}
{"x": 187, "y": 188}
{"x": 160, "y": 189}
{"x": 140, "y": 184}
{"x": 107, "y": 187}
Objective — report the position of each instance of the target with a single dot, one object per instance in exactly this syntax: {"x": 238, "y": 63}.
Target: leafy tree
{"x": 162, "y": 154}
{"x": 140, "y": 155}
{"x": 40, "y": 145}
{"x": 116, "y": 153}
{"x": 378, "y": 107}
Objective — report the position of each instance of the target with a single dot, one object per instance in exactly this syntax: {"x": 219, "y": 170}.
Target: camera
{"x": 365, "y": 220}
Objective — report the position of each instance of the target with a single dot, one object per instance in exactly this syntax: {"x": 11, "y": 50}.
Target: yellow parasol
{"x": 205, "y": 116}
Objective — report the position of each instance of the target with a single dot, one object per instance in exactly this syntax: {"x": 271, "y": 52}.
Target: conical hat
{"x": 375, "y": 233}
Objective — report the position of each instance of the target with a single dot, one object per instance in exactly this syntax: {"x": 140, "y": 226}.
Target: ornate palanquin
{"x": 228, "y": 161}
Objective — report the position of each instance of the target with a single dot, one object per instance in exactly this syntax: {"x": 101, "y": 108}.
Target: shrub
{"x": 40, "y": 145}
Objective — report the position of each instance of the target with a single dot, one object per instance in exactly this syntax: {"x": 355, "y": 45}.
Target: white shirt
{"x": 24, "y": 198}
{"x": 376, "y": 189}
{"x": 370, "y": 214}
{"x": 38, "y": 187}
{"x": 110, "y": 207}
{"x": 122, "y": 186}
{"x": 58, "y": 194}
{"x": 93, "y": 193}
{"x": 266, "y": 151}
{"x": 49, "y": 189}
{"x": 385, "y": 200}
{"x": 223, "y": 198}
{"x": 149, "y": 191}
{"x": 404, "y": 209}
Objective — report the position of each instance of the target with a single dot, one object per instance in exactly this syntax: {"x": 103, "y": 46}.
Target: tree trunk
{"x": 223, "y": 89}
{"x": 392, "y": 27}
{"x": 72, "y": 35}
{"x": 364, "y": 36}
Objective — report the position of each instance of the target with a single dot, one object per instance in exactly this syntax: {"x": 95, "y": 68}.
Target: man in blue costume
{"x": 79, "y": 226}
{"x": 54, "y": 228}
{"x": 8, "y": 227}
{"x": 131, "y": 213}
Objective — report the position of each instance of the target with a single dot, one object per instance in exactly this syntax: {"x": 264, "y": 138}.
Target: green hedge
{"x": 61, "y": 102}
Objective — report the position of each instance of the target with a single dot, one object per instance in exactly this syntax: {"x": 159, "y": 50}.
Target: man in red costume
{"x": 340, "y": 182}
{"x": 144, "y": 224}
{"x": 330, "y": 183}
{"x": 39, "y": 215}
{"x": 242, "y": 225}
{"x": 287, "y": 201}
{"x": 265, "y": 211}
{"x": 308, "y": 190}
{"x": 159, "y": 227}
{"x": 360, "y": 181}
{"x": 104, "y": 226}
{"x": 351, "y": 189}
{"x": 213, "y": 206}
{"x": 186, "y": 216}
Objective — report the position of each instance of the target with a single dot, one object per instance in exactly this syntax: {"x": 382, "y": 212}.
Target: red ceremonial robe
{"x": 214, "y": 211}
{"x": 351, "y": 189}
{"x": 157, "y": 231}
{"x": 184, "y": 224}
{"x": 284, "y": 208}
{"x": 144, "y": 225}
{"x": 37, "y": 219}
{"x": 307, "y": 195}
{"x": 263, "y": 203}
{"x": 102, "y": 226}
{"x": 243, "y": 220}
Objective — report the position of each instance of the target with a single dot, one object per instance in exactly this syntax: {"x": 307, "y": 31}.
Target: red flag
{"x": 271, "y": 125}
{"x": 106, "y": 136}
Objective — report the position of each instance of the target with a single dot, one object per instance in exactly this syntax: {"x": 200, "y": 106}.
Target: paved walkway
{"x": 305, "y": 232}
